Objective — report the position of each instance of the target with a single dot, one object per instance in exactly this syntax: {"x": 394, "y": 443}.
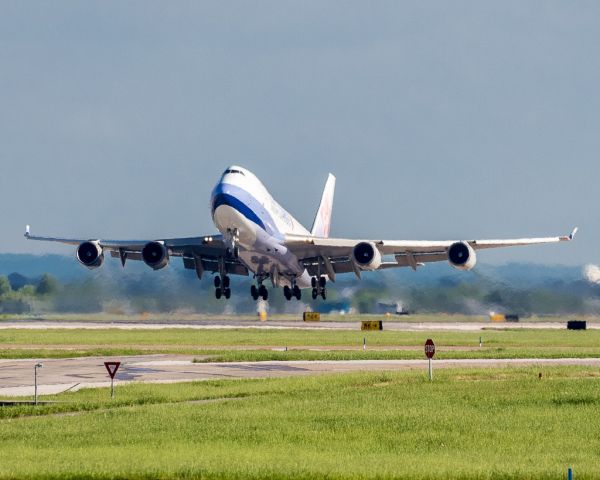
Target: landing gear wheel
{"x": 315, "y": 294}
{"x": 287, "y": 293}
{"x": 322, "y": 282}
{"x": 217, "y": 281}
{"x": 226, "y": 281}
{"x": 254, "y": 292}
{"x": 324, "y": 294}
{"x": 218, "y": 292}
{"x": 227, "y": 292}
{"x": 297, "y": 292}
{"x": 313, "y": 282}
{"x": 236, "y": 252}
{"x": 263, "y": 292}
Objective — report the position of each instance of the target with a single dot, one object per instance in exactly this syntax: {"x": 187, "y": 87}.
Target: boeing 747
{"x": 259, "y": 237}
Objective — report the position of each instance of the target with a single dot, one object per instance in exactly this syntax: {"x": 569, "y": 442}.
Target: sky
{"x": 441, "y": 120}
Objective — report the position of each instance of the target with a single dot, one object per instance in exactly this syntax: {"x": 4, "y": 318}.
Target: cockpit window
{"x": 230, "y": 170}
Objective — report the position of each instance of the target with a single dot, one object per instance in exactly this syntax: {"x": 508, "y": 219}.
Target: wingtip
{"x": 27, "y": 231}
{"x": 573, "y": 233}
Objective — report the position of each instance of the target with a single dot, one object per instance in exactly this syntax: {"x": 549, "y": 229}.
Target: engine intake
{"x": 367, "y": 256}
{"x": 155, "y": 255}
{"x": 90, "y": 254}
{"x": 462, "y": 256}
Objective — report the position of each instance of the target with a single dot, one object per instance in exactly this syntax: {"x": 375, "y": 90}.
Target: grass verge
{"x": 467, "y": 424}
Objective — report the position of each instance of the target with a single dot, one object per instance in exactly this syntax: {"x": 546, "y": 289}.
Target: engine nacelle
{"x": 462, "y": 256}
{"x": 90, "y": 254}
{"x": 155, "y": 255}
{"x": 367, "y": 256}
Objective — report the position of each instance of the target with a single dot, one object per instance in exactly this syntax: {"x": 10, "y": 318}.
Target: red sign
{"x": 429, "y": 348}
{"x": 112, "y": 368}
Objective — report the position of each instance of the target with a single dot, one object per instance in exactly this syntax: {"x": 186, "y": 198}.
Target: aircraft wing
{"x": 335, "y": 255}
{"x": 198, "y": 253}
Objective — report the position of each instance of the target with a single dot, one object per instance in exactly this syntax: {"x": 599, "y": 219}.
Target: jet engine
{"x": 155, "y": 255}
{"x": 367, "y": 256}
{"x": 462, "y": 256}
{"x": 90, "y": 254}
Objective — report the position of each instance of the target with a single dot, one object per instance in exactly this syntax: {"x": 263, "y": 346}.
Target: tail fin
{"x": 322, "y": 222}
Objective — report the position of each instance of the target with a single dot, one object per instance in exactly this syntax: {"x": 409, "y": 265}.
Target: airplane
{"x": 259, "y": 237}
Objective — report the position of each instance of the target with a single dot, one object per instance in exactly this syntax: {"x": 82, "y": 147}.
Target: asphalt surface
{"x": 60, "y": 375}
{"x": 237, "y": 324}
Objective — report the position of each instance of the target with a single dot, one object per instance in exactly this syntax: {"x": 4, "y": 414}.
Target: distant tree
{"x": 4, "y": 286}
{"x": 47, "y": 285}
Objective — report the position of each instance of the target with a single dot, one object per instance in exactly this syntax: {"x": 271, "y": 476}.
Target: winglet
{"x": 27, "y": 231}
{"x": 572, "y": 236}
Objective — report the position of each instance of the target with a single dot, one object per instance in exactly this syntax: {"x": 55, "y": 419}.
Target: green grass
{"x": 253, "y": 344}
{"x": 467, "y": 424}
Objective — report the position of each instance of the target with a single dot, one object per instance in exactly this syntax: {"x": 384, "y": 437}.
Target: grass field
{"x": 254, "y": 344}
{"x": 475, "y": 424}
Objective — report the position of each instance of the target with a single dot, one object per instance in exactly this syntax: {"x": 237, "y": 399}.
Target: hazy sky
{"x": 440, "y": 119}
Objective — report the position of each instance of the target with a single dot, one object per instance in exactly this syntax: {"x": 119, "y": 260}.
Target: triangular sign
{"x": 112, "y": 368}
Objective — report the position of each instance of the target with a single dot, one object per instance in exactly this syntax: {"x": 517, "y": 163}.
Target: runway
{"x": 60, "y": 375}
{"x": 215, "y": 324}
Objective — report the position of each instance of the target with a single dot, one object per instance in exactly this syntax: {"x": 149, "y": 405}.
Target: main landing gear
{"x": 260, "y": 291}
{"x": 294, "y": 291}
{"x": 222, "y": 287}
{"x": 319, "y": 287}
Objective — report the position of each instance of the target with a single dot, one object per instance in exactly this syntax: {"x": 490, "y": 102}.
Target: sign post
{"x": 35, "y": 389}
{"x": 430, "y": 352}
{"x": 111, "y": 368}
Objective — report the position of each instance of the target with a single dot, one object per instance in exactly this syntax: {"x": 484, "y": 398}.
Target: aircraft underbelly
{"x": 261, "y": 253}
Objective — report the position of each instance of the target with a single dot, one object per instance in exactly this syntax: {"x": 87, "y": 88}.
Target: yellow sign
{"x": 371, "y": 325}
{"x": 311, "y": 316}
{"x": 262, "y": 315}
{"x": 497, "y": 317}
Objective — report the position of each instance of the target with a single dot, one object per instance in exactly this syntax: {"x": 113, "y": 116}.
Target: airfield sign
{"x": 111, "y": 368}
{"x": 429, "y": 348}
{"x": 430, "y": 352}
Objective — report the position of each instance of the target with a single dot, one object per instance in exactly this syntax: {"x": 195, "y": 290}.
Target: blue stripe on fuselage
{"x": 231, "y": 201}
{"x": 242, "y": 201}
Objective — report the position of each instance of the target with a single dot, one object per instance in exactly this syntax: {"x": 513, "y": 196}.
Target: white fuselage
{"x": 242, "y": 207}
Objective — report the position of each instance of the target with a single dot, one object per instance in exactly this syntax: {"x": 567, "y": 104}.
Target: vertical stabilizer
{"x": 322, "y": 222}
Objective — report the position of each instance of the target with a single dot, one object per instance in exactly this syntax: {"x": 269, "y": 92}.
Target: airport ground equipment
{"x": 577, "y": 325}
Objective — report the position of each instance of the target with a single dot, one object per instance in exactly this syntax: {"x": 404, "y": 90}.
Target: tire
{"x": 287, "y": 293}
{"x": 217, "y": 281}
{"x": 314, "y": 293}
{"x": 324, "y": 294}
{"x": 313, "y": 282}
{"x": 227, "y": 293}
{"x": 226, "y": 281}
{"x": 263, "y": 292}
{"x": 297, "y": 292}
{"x": 322, "y": 282}
{"x": 253, "y": 291}
{"x": 218, "y": 293}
